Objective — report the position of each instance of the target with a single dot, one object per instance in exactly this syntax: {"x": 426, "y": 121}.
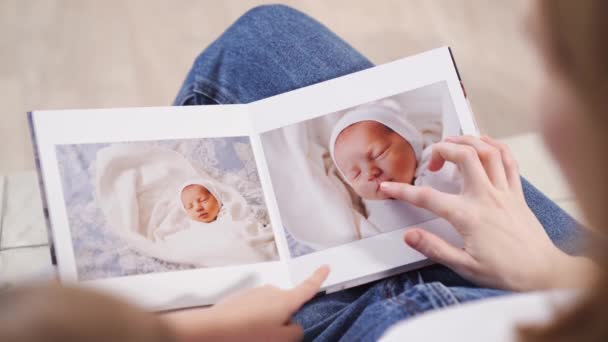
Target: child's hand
{"x": 259, "y": 314}
{"x": 505, "y": 246}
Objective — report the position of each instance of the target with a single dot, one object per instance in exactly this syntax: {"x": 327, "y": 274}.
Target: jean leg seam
{"x": 207, "y": 87}
{"x": 185, "y": 94}
{"x": 331, "y": 318}
{"x": 444, "y": 294}
{"x": 388, "y": 306}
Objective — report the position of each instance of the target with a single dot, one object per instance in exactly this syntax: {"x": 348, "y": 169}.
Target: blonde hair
{"x": 573, "y": 37}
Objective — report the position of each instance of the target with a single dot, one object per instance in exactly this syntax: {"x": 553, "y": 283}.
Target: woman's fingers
{"x": 308, "y": 288}
{"x": 510, "y": 164}
{"x": 467, "y": 160}
{"x": 490, "y": 157}
{"x": 438, "y": 250}
{"x": 439, "y": 203}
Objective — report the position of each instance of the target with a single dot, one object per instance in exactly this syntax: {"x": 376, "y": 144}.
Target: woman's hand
{"x": 505, "y": 246}
{"x": 259, "y": 314}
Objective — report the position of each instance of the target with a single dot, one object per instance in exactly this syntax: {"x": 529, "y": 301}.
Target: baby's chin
{"x": 205, "y": 219}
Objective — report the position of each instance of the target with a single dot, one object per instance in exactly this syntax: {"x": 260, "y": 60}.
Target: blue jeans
{"x": 274, "y": 49}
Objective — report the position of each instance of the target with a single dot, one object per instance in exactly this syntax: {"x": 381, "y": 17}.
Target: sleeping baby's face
{"x": 369, "y": 153}
{"x": 199, "y": 203}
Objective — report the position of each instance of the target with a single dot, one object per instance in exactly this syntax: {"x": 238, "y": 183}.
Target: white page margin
{"x": 271, "y": 201}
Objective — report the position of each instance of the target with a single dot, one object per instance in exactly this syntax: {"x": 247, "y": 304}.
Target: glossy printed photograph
{"x": 145, "y": 207}
{"x": 337, "y": 162}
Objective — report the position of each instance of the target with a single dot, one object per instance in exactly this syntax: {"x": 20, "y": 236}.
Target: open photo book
{"x": 173, "y": 207}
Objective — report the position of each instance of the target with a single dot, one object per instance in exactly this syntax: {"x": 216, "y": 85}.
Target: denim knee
{"x": 269, "y": 13}
{"x": 269, "y": 50}
{"x": 275, "y": 23}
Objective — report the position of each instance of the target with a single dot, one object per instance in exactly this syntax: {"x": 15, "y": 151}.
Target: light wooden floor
{"x": 115, "y": 53}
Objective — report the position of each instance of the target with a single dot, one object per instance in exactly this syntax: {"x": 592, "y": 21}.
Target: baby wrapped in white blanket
{"x": 374, "y": 143}
{"x": 156, "y": 201}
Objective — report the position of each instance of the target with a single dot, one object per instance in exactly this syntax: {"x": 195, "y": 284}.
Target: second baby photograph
{"x": 337, "y": 161}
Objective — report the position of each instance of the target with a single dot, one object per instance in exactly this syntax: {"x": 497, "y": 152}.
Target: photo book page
{"x": 328, "y": 147}
{"x": 173, "y": 207}
{"x": 163, "y": 206}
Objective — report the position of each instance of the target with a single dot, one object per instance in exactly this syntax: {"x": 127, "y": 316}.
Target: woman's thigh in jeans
{"x": 364, "y": 313}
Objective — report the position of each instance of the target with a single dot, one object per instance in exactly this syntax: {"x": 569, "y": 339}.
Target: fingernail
{"x": 385, "y": 185}
{"x": 413, "y": 238}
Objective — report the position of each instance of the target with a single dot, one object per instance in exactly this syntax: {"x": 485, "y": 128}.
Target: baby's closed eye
{"x": 381, "y": 152}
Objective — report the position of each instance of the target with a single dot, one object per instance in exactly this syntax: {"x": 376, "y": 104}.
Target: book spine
{"x": 464, "y": 91}
{"x": 455, "y": 66}
{"x": 45, "y": 207}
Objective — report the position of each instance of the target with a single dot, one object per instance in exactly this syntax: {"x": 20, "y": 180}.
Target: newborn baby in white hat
{"x": 220, "y": 223}
{"x": 374, "y": 143}
{"x": 199, "y": 202}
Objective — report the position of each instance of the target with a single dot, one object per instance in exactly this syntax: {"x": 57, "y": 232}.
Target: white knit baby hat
{"x": 387, "y": 112}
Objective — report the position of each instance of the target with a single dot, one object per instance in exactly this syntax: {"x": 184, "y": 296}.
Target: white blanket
{"x": 314, "y": 204}
{"x": 137, "y": 189}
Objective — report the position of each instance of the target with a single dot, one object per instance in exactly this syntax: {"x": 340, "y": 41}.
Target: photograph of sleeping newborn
{"x": 157, "y": 206}
{"x": 338, "y": 161}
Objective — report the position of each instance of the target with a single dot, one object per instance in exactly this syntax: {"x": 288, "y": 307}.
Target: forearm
{"x": 571, "y": 272}
{"x": 190, "y": 325}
